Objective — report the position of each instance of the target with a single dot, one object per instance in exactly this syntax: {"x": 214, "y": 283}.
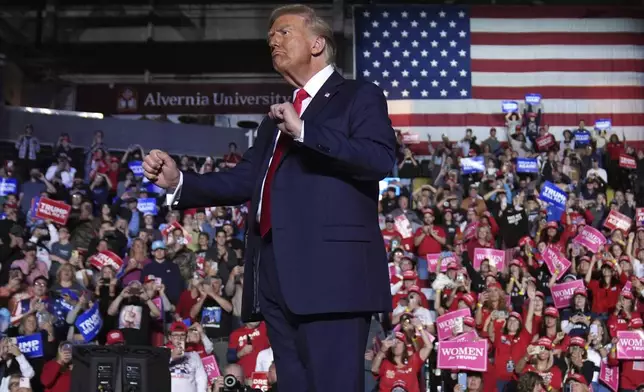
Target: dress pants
{"x": 315, "y": 353}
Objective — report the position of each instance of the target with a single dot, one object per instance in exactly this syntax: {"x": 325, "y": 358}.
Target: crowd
{"x": 119, "y": 267}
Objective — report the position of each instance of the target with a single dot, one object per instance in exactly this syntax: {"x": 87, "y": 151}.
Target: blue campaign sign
{"x": 472, "y": 165}
{"x": 187, "y": 322}
{"x": 509, "y": 106}
{"x": 553, "y": 195}
{"x": 554, "y": 214}
{"x": 150, "y": 187}
{"x": 533, "y": 99}
{"x": 148, "y": 205}
{"x": 89, "y": 323}
{"x": 527, "y": 165}
{"x": 34, "y": 207}
{"x": 137, "y": 168}
{"x": 603, "y": 124}
{"x": 8, "y": 186}
{"x": 582, "y": 137}
{"x": 30, "y": 345}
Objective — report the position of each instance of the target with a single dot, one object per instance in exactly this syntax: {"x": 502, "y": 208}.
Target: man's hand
{"x": 287, "y": 119}
{"x": 161, "y": 169}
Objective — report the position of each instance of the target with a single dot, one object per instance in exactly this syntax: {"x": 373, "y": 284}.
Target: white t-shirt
{"x": 264, "y": 360}
{"x": 188, "y": 374}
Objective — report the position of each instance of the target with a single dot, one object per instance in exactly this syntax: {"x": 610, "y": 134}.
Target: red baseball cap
{"x": 550, "y": 311}
{"x": 545, "y": 342}
{"x": 469, "y": 321}
{"x": 578, "y": 341}
{"x": 409, "y": 275}
{"x": 115, "y": 336}
{"x": 178, "y": 326}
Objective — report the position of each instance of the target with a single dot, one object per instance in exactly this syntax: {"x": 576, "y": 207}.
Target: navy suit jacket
{"x": 329, "y": 252}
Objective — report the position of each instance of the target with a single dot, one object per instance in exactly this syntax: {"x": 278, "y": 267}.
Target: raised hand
{"x": 161, "y": 169}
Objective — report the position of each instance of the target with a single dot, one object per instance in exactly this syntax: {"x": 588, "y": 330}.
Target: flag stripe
{"x": 556, "y": 25}
{"x": 495, "y": 120}
{"x": 556, "y": 92}
{"x": 559, "y": 12}
{"x": 623, "y": 38}
{"x": 459, "y": 106}
{"x": 563, "y": 79}
{"x": 535, "y": 52}
{"x": 563, "y": 65}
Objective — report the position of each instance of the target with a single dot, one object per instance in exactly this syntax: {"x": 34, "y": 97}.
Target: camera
{"x": 232, "y": 385}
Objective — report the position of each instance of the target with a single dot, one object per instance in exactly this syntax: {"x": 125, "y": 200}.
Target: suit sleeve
{"x": 367, "y": 152}
{"x": 232, "y": 187}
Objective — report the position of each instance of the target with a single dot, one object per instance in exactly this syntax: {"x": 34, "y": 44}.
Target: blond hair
{"x": 316, "y": 24}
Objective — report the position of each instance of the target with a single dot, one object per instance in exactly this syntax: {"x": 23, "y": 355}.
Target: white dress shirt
{"x": 311, "y": 87}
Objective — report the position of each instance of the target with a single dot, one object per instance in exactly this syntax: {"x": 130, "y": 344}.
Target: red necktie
{"x": 283, "y": 143}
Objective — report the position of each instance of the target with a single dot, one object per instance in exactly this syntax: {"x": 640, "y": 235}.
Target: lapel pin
{"x": 327, "y": 95}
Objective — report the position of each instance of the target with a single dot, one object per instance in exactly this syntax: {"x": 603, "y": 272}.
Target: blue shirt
{"x": 169, "y": 274}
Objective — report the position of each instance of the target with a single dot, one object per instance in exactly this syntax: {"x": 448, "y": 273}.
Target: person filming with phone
{"x": 134, "y": 309}
{"x": 186, "y": 369}
{"x": 57, "y": 373}
{"x": 539, "y": 359}
{"x": 12, "y": 362}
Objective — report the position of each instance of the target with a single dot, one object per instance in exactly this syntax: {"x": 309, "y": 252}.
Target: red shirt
{"x": 631, "y": 372}
{"x": 616, "y": 323}
{"x": 550, "y": 378}
{"x": 604, "y": 299}
{"x": 259, "y": 340}
{"x": 429, "y": 244}
{"x": 54, "y": 378}
{"x": 186, "y": 302}
{"x": 614, "y": 150}
{"x": 406, "y": 376}
{"x": 388, "y": 235}
{"x": 508, "y": 348}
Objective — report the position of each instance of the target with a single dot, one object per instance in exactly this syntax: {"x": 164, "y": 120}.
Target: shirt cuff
{"x": 172, "y": 197}
{"x": 301, "y": 138}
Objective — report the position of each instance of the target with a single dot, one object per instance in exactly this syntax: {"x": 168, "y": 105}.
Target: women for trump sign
{"x": 446, "y": 322}
{"x": 630, "y": 345}
{"x": 463, "y": 355}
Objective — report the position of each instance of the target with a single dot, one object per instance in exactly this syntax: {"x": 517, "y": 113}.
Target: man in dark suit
{"x": 315, "y": 267}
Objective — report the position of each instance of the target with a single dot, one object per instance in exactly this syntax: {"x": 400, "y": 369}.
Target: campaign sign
{"x": 533, "y": 99}
{"x": 527, "y": 165}
{"x": 628, "y": 287}
{"x": 472, "y": 165}
{"x": 590, "y": 238}
{"x": 137, "y": 168}
{"x": 89, "y": 323}
{"x": 445, "y": 323}
{"x": 104, "y": 258}
{"x": 615, "y": 220}
{"x": 553, "y": 194}
{"x": 582, "y": 137}
{"x": 603, "y": 124}
{"x": 639, "y": 216}
{"x": 553, "y": 214}
{"x": 30, "y": 345}
{"x": 211, "y": 367}
{"x": 8, "y": 186}
{"x": 509, "y": 106}
{"x": 562, "y": 292}
{"x": 403, "y": 226}
{"x": 545, "y": 142}
{"x": 465, "y": 337}
{"x": 496, "y": 257}
{"x": 463, "y": 355}
{"x": 609, "y": 375}
{"x": 187, "y": 322}
{"x": 259, "y": 380}
{"x": 410, "y": 138}
{"x": 630, "y": 344}
{"x": 557, "y": 264}
{"x": 53, "y": 210}
{"x": 470, "y": 230}
{"x": 627, "y": 162}
{"x": 34, "y": 206}
{"x": 147, "y": 206}
{"x": 432, "y": 261}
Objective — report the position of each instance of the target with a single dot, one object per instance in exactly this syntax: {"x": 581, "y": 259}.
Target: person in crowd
{"x": 245, "y": 344}
{"x": 28, "y": 148}
{"x": 57, "y": 373}
{"x": 164, "y": 269}
{"x": 186, "y": 369}
{"x": 214, "y": 312}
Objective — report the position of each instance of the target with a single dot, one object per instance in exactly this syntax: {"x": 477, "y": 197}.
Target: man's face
{"x": 290, "y": 42}
{"x": 403, "y": 202}
{"x": 178, "y": 338}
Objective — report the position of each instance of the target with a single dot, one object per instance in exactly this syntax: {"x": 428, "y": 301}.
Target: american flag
{"x": 447, "y": 68}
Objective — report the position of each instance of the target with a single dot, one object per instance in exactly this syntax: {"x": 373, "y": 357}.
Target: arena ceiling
{"x": 77, "y": 40}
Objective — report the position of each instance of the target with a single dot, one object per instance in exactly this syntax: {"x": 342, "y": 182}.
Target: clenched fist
{"x": 161, "y": 169}
{"x": 287, "y": 119}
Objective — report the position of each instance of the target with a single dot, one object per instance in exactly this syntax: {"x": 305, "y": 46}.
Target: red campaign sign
{"x": 545, "y": 142}
{"x": 470, "y": 231}
{"x": 615, "y": 220}
{"x": 259, "y": 380}
{"x": 176, "y": 225}
{"x": 53, "y": 210}
{"x": 104, "y": 258}
{"x": 639, "y": 217}
{"x": 627, "y": 161}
